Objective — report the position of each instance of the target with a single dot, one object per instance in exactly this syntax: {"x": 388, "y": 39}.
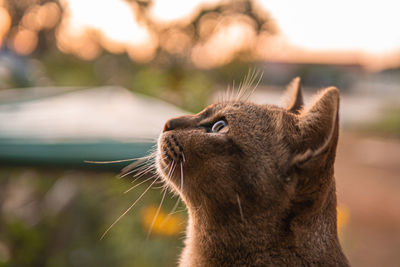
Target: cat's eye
{"x": 218, "y": 126}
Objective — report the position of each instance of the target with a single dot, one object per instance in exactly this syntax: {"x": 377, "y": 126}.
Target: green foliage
{"x": 388, "y": 125}
{"x": 185, "y": 87}
{"x": 196, "y": 92}
{"x": 61, "y": 214}
{"x": 66, "y": 70}
{"x": 26, "y": 243}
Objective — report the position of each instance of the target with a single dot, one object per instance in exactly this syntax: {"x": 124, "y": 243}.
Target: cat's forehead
{"x": 220, "y": 109}
{"x": 237, "y": 107}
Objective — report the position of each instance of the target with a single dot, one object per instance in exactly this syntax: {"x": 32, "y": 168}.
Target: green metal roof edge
{"x": 71, "y": 154}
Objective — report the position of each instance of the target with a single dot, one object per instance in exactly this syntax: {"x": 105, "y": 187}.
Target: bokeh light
{"x": 41, "y": 17}
{"x": 5, "y": 22}
{"x": 24, "y": 41}
{"x": 166, "y": 12}
{"x": 115, "y": 24}
{"x": 232, "y": 35}
{"x": 97, "y": 79}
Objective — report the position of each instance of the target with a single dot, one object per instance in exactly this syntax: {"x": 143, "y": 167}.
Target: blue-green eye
{"x": 218, "y": 126}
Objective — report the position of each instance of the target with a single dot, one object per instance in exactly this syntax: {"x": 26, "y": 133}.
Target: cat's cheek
{"x": 160, "y": 167}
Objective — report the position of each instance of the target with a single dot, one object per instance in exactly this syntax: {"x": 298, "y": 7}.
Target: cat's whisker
{"x": 145, "y": 170}
{"x": 130, "y": 167}
{"x": 120, "y": 176}
{"x": 254, "y": 88}
{"x": 256, "y": 84}
{"x": 173, "y": 210}
{"x": 134, "y": 180}
{"x": 167, "y": 167}
{"x": 172, "y": 168}
{"x": 239, "y": 90}
{"x": 110, "y": 161}
{"x": 226, "y": 94}
{"x": 162, "y": 152}
{"x": 181, "y": 176}
{"x": 142, "y": 182}
{"x": 240, "y": 208}
{"x": 231, "y": 97}
{"x": 126, "y": 170}
{"x": 156, "y": 215}
{"x": 243, "y": 93}
{"x": 159, "y": 187}
{"x": 127, "y": 210}
{"x": 177, "y": 211}
{"x": 183, "y": 156}
{"x": 136, "y": 166}
{"x": 138, "y": 172}
{"x": 233, "y": 92}
{"x": 244, "y": 85}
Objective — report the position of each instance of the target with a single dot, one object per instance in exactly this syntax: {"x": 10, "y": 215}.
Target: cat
{"x": 257, "y": 181}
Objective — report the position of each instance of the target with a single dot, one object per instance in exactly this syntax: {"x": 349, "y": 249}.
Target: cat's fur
{"x": 260, "y": 192}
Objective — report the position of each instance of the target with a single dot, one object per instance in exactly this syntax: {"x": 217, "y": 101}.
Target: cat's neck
{"x": 263, "y": 239}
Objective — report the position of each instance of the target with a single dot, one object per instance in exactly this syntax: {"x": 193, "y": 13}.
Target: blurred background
{"x": 97, "y": 79}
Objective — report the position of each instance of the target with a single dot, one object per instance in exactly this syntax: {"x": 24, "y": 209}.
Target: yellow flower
{"x": 343, "y": 215}
{"x": 163, "y": 224}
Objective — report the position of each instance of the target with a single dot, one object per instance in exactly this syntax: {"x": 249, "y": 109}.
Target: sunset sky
{"x": 363, "y": 29}
{"x": 341, "y": 31}
{"x": 369, "y": 25}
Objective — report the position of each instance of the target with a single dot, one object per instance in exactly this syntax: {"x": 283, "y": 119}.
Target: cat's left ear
{"x": 294, "y": 96}
{"x": 319, "y": 126}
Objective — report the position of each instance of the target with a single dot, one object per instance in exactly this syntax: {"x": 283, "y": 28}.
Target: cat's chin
{"x": 170, "y": 158}
{"x": 167, "y": 169}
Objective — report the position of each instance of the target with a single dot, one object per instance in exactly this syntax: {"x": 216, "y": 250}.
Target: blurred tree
{"x": 200, "y": 39}
{"x": 33, "y": 24}
{"x": 214, "y": 34}
{"x": 179, "y": 39}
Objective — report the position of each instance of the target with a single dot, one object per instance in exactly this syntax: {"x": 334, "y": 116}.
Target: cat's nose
{"x": 175, "y": 123}
{"x": 169, "y": 125}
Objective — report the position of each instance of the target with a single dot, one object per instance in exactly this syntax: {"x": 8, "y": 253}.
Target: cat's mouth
{"x": 170, "y": 155}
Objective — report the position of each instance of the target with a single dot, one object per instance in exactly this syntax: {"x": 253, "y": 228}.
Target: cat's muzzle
{"x": 170, "y": 149}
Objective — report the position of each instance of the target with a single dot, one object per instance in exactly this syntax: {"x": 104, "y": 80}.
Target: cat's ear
{"x": 318, "y": 125}
{"x": 294, "y": 96}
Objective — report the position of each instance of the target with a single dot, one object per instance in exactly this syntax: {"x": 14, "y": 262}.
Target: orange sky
{"x": 341, "y": 31}
{"x": 367, "y": 25}
{"x": 364, "y": 29}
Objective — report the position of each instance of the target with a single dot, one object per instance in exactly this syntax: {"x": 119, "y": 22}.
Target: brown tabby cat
{"x": 258, "y": 182}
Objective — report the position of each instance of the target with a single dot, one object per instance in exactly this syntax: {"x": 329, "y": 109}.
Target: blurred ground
{"x": 368, "y": 183}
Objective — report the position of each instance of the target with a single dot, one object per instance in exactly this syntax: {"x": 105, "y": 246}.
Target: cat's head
{"x": 260, "y": 155}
